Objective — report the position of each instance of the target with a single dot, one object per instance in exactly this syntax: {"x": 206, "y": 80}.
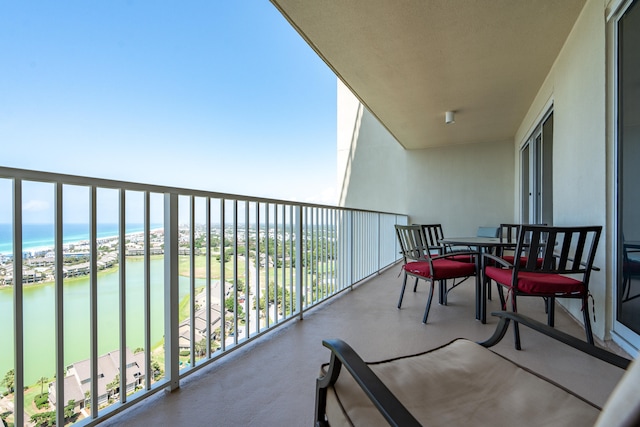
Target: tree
{"x": 9, "y": 380}
{"x": 112, "y": 387}
{"x": 69, "y": 409}
{"x": 228, "y": 304}
{"x": 42, "y": 381}
{"x": 276, "y": 293}
{"x": 156, "y": 369}
{"x": 201, "y": 347}
{"x": 44, "y": 419}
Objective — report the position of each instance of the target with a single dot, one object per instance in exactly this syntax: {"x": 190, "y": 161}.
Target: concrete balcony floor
{"x": 271, "y": 381}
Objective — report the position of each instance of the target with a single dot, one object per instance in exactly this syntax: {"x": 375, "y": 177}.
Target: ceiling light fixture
{"x": 449, "y": 117}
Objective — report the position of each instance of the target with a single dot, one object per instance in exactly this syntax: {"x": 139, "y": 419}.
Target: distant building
{"x": 200, "y": 325}
{"x": 78, "y": 379}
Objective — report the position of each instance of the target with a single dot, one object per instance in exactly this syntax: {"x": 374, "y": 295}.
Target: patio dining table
{"x": 483, "y": 245}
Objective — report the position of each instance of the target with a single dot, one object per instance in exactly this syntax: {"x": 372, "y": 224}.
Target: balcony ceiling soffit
{"x": 411, "y": 61}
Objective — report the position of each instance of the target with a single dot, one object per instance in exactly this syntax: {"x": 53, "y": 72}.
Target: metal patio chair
{"x": 421, "y": 264}
{"x": 559, "y": 261}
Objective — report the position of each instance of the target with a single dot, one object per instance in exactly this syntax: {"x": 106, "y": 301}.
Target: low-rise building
{"x": 77, "y": 383}
{"x": 200, "y": 325}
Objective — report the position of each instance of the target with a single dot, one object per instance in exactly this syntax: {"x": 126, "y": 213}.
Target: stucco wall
{"x": 576, "y": 87}
{"x": 372, "y": 167}
{"x": 462, "y": 187}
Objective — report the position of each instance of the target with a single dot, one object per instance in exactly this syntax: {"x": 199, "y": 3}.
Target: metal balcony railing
{"x": 123, "y": 289}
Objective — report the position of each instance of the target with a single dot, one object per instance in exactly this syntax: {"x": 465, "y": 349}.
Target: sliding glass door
{"x": 627, "y": 292}
{"x": 536, "y": 157}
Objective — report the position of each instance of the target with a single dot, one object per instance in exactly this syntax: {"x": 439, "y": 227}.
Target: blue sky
{"x": 213, "y": 95}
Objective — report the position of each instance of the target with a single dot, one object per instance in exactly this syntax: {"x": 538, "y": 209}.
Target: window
{"x": 536, "y": 174}
{"x": 628, "y": 146}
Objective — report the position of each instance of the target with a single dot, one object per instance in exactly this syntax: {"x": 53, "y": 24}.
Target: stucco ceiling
{"x": 410, "y": 61}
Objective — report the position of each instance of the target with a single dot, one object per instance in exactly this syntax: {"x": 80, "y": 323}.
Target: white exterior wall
{"x": 462, "y": 187}
{"x": 369, "y": 166}
{"x": 576, "y": 85}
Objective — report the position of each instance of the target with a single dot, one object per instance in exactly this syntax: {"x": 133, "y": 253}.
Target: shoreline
{"x": 39, "y": 261}
{"x": 70, "y": 280}
{"x": 81, "y": 241}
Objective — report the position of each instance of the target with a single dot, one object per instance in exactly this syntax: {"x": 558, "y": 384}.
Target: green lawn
{"x": 29, "y": 395}
{"x": 184, "y": 307}
{"x": 184, "y": 268}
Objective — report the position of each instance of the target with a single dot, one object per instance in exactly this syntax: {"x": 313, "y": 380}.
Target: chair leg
{"x": 404, "y": 285}
{"x": 587, "y": 321}
{"x": 415, "y": 285}
{"x": 426, "y": 311}
{"x": 503, "y": 303}
{"x": 551, "y": 311}
{"x": 443, "y": 291}
{"x": 516, "y": 329}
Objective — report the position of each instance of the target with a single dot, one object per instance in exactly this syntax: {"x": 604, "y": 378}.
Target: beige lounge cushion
{"x": 623, "y": 406}
{"x": 459, "y": 384}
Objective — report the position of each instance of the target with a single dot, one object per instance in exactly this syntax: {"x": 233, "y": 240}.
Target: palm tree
{"x": 42, "y": 381}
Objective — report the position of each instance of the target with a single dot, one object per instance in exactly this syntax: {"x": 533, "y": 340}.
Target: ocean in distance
{"x": 38, "y": 236}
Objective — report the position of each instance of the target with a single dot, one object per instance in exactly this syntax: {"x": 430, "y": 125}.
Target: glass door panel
{"x": 537, "y": 183}
{"x": 628, "y": 284}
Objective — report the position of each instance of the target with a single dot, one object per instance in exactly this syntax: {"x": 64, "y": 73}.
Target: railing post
{"x": 223, "y": 278}
{"x": 208, "y": 277}
{"x": 378, "y": 268}
{"x": 192, "y": 281}
{"x": 351, "y": 248}
{"x": 299, "y": 254}
{"x": 18, "y": 306}
{"x": 148, "y": 373}
{"x": 172, "y": 350}
{"x": 93, "y": 300}
{"x": 59, "y": 311}
{"x": 122, "y": 285}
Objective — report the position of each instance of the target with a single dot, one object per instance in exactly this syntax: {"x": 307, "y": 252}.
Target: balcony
{"x": 156, "y": 283}
{"x": 271, "y": 381}
{"x": 259, "y": 365}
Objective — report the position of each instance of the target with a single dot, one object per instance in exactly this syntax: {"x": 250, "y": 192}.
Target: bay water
{"x": 39, "y": 318}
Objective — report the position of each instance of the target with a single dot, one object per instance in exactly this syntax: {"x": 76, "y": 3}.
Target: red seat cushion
{"x": 537, "y": 283}
{"x": 444, "y": 269}
{"x": 462, "y": 258}
{"x": 523, "y": 260}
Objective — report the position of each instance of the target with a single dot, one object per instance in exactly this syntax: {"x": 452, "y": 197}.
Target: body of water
{"x": 38, "y": 236}
{"x": 39, "y": 318}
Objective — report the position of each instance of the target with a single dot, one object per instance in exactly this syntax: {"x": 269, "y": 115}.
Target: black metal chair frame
{"x": 415, "y": 248}
{"x": 511, "y": 232}
{"x": 433, "y": 234}
{"x": 564, "y": 251}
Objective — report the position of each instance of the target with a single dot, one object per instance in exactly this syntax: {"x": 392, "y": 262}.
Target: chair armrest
{"x": 453, "y": 254}
{"x": 382, "y": 398}
{"x": 506, "y": 316}
{"x": 582, "y": 263}
{"x": 497, "y": 260}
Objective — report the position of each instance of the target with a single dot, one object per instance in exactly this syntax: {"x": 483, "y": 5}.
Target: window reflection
{"x": 628, "y": 295}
